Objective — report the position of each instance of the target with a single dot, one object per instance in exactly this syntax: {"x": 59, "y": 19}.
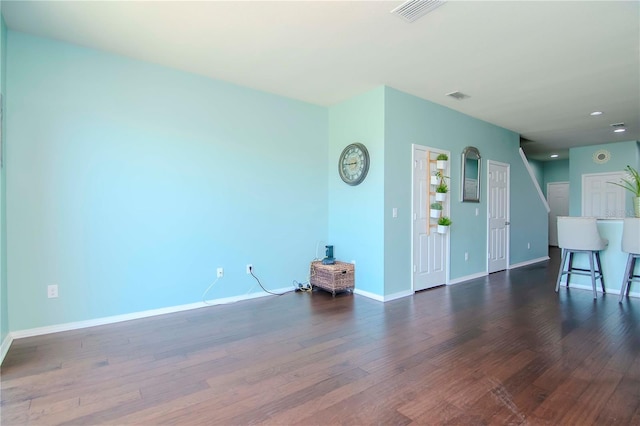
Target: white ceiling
{"x": 537, "y": 68}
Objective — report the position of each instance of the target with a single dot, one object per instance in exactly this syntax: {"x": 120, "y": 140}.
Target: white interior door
{"x": 430, "y": 250}
{"x": 602, "y": 199}
{"x": 498, "y": 216}
{"x": 558, "y": 200}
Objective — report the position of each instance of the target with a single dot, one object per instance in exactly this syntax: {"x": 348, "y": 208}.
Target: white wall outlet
{"x": 394, "y": 212}
{"x": 220, "y": 272}
{"x": 529, "y": 246}
{"x": 466, "y": 256}
{"x": 249, "y": 268}
{"x": 52, "y": 291}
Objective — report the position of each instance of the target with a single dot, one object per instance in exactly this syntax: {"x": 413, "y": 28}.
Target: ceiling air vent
{"x": 414, "y": 9}
{"x": 617, "y": 125}
{"x": 458, "y": 95}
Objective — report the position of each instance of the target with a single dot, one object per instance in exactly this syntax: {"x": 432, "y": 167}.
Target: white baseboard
{"x": 6, "y": 344}
{"x": 484, "y": 274}
{"x": 631, "y": 294}
{"x": 529, "y": 262}
{"x": 467, "y": 278}
{"x": 383, "y": 299}
{"x": 368, "y": 294}
{"x": 398, "y": 295}
{"x": 563, "y": 284}
{"x": 136, "y": 315}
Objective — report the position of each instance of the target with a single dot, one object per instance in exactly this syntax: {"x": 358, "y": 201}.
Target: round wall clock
{"x": 601, "y": 156}
{"x": 354, "y": 164}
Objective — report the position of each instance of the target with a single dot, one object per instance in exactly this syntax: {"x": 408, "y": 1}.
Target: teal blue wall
{"x": 555, "y": 171}
{"x": 356, "y": 223}
{"x": 537, "y": 167}
{"x": 4, "y": 305}
{"x": 411, "y": 120}
{"x": 129, "y": 183}
{"x": 538, "y": 171}
{"x": 581, "y": 162}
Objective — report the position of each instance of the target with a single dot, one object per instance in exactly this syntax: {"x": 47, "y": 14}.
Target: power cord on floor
{"x": 305, "y": 286}
{"x": 204, "y": 295}
{"x": 297, "y": 286}
{"x": 262, "y": 287}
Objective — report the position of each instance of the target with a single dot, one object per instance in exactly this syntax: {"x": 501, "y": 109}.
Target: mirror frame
{"x": 470, "y": 153}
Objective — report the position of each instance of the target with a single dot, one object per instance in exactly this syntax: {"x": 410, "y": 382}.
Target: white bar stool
{"x": 580, "y": 235}
{"x": 631, "y": 245}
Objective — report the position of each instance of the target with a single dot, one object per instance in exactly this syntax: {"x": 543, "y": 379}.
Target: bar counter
{"x": 614, "y": 261}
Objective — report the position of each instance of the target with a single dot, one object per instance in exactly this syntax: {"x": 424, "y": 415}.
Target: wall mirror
{"x": 471, "y": 165}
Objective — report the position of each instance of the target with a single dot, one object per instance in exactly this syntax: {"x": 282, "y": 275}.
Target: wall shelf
{"x": 432, "y": 169}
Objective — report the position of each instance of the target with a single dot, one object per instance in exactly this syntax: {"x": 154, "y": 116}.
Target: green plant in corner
{"x": 632, "y": 183}
{"x": 442, "y": 188}
{"x": 442, "y": 157}
{"x": 444, "y": 221}
{"x": 436, "y": 206}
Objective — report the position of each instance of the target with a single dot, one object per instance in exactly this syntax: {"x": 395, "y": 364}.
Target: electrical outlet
{"x": 220, "y": 272}
{"x": 249, "y": 268}
{"x": 466, "y": 256}
{"x": 529, "y": 246}
{"x": 52, "y": 291}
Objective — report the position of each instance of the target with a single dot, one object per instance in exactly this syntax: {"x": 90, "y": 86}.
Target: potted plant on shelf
{"x": 443, "y": 225}
{"x": 438, "y": 178}
{"x": 441, "y": 191}
{"x": 436, "y": 210}
{"x": 441, "y": 161}
{"x": 632, "y": 184}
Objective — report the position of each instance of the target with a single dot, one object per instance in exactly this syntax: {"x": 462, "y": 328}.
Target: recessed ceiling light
{"x": 594, "y": 113}
{"x": 620, "y": 130}
{"x": 554, "y": 156}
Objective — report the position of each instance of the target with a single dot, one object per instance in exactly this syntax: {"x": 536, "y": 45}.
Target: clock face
{"x": 354, "y": 164}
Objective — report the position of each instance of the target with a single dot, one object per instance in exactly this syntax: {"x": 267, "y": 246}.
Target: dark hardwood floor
{"x": 505, "y": 349}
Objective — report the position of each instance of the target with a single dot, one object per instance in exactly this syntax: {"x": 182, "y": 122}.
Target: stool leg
{"x": 570, "y": 268}
{"x": 625, "y": 280}
{"x": 593, "y": 276}
{"x": 600, "y": 270}
{"x": 632, "y": 269}
{"x": 564, "y": 258}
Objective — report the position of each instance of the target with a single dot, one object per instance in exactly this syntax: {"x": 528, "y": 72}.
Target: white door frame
{"x": 552, "y": 224}
{"x": 414, "y": 147}
{"x": 508, "y": 206}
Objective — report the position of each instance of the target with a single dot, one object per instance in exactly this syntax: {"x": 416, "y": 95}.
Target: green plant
{"x": 440, "y": 176}
{"x": 632, "y": 183}
{"x": 442, "y": 157}
{"x": 436, "y": 206}
{"x": 442, "y": 188}
{"x": 444, "y": 221}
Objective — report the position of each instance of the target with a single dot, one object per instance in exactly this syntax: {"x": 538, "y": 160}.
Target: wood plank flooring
{"x": 505, "y": 349}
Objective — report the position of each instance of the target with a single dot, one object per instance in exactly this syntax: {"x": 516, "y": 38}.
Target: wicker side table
{"x": 333, "y": 278}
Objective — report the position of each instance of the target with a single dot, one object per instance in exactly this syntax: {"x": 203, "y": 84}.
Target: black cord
{"x": 267, "y": 291}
